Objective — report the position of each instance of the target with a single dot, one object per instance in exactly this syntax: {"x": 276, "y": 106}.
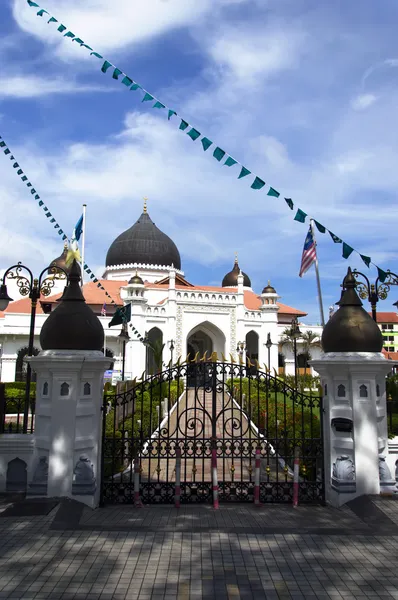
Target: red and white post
{"x": 296, "y": 472}
{"x": 137, "y": 499}
{"x": 257, "y": 466}
{"x": 177, "y": 495}
{"x": 214, "y": 477}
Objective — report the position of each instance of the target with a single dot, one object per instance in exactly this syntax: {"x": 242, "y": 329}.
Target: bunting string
{"x": 52, "y": 220}
{"x": 218, "y": 153}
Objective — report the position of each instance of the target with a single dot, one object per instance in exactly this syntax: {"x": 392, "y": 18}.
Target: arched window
{"x": 341, "y": 391}
{"x": 377, "y": 390}
{"x": 109, "y": 354}
{"x": 22, "y": 366}
{"x": 64, "y": 389}
{"x": 87, "y": 389}
{"x": 363, "y": 391}
{"x": 45, "y": 388}
{"x": 154, "y": 351}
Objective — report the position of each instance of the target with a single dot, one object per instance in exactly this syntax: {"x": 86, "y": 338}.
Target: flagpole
{"x": 318, "y": 281}
{"x": 83, "y": 241}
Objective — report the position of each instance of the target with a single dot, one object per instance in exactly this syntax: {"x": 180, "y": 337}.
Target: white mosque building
{"x": 143, "y": 268}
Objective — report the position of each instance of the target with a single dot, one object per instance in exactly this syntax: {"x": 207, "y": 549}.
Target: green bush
{"x": 16, "y": 389}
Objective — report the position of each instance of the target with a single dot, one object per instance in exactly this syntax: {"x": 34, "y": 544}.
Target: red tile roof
{"x": 391, "y": 355}
{"x": 387, "y": 317}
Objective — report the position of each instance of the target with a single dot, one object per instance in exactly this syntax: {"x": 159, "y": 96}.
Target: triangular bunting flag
{"x": 219, "y": 153}
{"x": 206, "y": 143}
{"x": 230, "y": 162}
{"x": 106, "y": 66}
{"x": 273, "y": 192}
{"x": 382, "y": 274}
{"x": 300, "y": 216}
{"x": 320, "y": 227}
{"x": 243, "y": 172}
{"x": 336, "y": 239}
{"x": 193, "y": 134}
{"x": 347, "y": 250}
{"x": 366, "y": 259}
{"x": 147, "y": 97}
{"x": 257, "y": 184}
{"x": 116, "y": 73}
{"x": 183, "y": 125}
{"x": 289, "y": 202}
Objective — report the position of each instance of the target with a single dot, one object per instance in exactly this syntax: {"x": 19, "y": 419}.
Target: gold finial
{"x": 236, "y": 258}
{"x": 269, "y": 282}
{"x": 145, "y": 208}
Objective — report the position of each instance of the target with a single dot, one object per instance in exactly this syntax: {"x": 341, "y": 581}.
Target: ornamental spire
{"x": 145, "y": 208}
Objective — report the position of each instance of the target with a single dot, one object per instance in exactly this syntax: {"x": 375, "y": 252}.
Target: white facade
{"x": 195, "y": 318}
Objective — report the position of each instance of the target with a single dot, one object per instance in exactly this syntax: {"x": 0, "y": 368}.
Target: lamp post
{"x": 171, "y": 346}
{"x": 269, "y": 345}
{"x": 32, "y": 287}
{"x": 295, "y": 333}
{"x": 373, "y": 292}
{"x": 124, "y": 336}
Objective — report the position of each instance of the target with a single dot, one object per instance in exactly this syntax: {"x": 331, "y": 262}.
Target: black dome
{"x": 72, "y": 325}
{"x": 351, "y": 329}
{"x": 231, "y": 278}
{"x": 144, "y": 244}
{"x": 269, "y": 289}
{"x": 60, "y": 261}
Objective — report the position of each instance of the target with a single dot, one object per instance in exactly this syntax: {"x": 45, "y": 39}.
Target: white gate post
{"x": 70, "y": 372}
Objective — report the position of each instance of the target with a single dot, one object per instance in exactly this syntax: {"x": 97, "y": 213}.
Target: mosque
{"x": 143, "y": 268}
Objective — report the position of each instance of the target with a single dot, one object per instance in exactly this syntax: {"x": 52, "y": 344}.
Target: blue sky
{"x": 303, "y": 93}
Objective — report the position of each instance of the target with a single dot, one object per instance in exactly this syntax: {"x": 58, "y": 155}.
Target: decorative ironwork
{"x": 373, "y": 292}
{"x": 206, "y": 406}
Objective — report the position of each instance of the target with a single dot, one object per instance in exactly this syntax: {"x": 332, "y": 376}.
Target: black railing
{"x": 392, "y": 413}
{"x": 12, "y": 413}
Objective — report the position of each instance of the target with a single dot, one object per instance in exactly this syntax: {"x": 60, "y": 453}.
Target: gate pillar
{"x": 70, "y": 371}
{"x": 352, "y": 371}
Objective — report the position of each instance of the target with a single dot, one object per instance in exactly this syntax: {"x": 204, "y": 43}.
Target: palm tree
{"x": 309, "y": 340}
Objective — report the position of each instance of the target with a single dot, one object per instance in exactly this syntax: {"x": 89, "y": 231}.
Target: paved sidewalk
{"x": 238, "y": 552}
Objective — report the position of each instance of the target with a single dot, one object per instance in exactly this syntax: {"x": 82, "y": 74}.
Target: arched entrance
{"x": 205, "y": 337}
{"x": 252, "y": 345}
{"x": 22, "y": 366}
{"x": 154, "y": 351}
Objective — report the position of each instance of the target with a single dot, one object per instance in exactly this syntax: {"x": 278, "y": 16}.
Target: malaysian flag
{"x": 309, "y": 253}
{"x": 103, "y": 310}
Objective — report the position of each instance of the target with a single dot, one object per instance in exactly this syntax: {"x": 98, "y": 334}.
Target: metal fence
{"x": 392, "y": 414}
{"x": 12, "y": 411}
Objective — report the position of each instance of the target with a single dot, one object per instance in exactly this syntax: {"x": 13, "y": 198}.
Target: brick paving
{"x": 157, "y": 553}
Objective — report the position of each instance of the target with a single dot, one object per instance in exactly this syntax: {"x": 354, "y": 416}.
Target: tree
{"x": 309, "y": 340}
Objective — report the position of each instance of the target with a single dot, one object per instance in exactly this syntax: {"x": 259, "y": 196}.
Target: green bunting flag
{"x": 183, "y": 125}
{"x": 230, "y": 162}
{"x": 382, "y": 274}
{"x": 135, "y": 86}
{"x": 257, "y": 184}
{"x": 320, "y": 227}
{"x": 147, "y": 97}
{"x": 61, "y": 28}
{"x": 122, "y": 315}
{"x": 127, "y": 81}
{"x": 366, "y": 259}
{"x": 300, "y": 216}
{"x": 243, "y": 172}
{"x": 336, "y": 239}
{"x": 272, "y": 192}
{"x": 289, "y": 202}
{"x": 218, "y": 154}
{"x": 158, "y": 105}
{"x": 171, "y": 113}
{"x": 206, "y": 143}
{"x": 347, "y": 250}
{"x": 193, "y": 134}
{"x": 106, "y": 66}
{"x": 116, "y": 73}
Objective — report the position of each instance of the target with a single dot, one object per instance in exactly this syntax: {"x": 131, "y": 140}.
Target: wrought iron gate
{"x": 200, "y": 406}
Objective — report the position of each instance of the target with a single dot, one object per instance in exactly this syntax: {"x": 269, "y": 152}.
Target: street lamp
{"x": 269, "y": 345}
{"x": 295, "y": 333}
{"x": 376, "y": 291}
{"x": 171, "y": 346}
{"x": 29, "y": 286}
{"x": 124, "y": 336}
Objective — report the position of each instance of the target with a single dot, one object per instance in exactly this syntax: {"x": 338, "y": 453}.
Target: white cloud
{"x": 247, "y": 53}
{"x": 363, "y": 101}
{"x": 96, "y": 20}
{"x": 31, "y": 86}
